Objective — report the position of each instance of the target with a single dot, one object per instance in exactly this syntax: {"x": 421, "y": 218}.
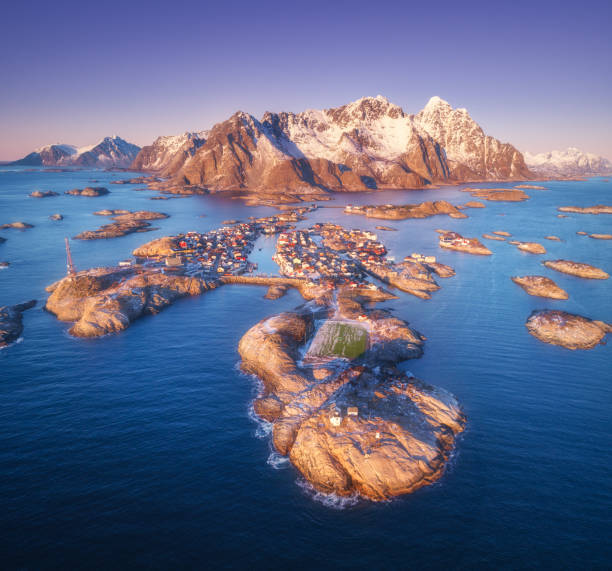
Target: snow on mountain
{"x": 571, "y": 162}
{"x": 169, "y": 152}
{"x": 470, "y": 151}
{"x": 109, "y": 152}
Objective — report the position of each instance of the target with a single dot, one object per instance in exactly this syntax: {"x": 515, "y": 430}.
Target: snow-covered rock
{"x": 571, "y": 162}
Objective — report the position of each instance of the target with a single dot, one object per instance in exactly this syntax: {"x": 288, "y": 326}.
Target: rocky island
{"x": 498, "y": 194}
{"x": 578, "y": 269}
{"x": 597, "y": 209}
{"x": 403, "y": 211}
{"x": 16, "y": 226}
{"x": 531, "y": 247}
{"x": 566, "y": 329}
{"x": 88, "y": 191}
{"x": 11, "y": 322}
{"x": 540, "y": 286}
{"x": 356, "y": 424}
{"x": 125, "y": 222}
{"x": 43, "y": 194}
{"x": 455, "y": 241}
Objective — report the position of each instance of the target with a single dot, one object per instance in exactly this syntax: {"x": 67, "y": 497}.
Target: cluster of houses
{"x": 324, "y": 252}
{"x": 223, "y": 251}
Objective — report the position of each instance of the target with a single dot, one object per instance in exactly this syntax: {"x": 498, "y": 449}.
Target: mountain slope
{"x": 471, "y": 153}
{"x": 571, "y": 162}
{"x": 367, "y": 144}
{"x": 109, "y": 152}
{"x": 167, "y": 154}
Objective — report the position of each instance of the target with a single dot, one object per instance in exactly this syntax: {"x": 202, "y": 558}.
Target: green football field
{"x": 339, "y": 339}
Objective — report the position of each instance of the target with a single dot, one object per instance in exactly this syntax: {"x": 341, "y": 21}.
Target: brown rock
{"x": 597, "y": 209}
{"x": 88, "y": 191}
{"x": 540, "y": 286}
{"x": 16, "y": 225}
{"x": 566, "y": 329}
{"x": 499, "y": 194}
{"x": 601, "y": 236}
{"x": 531, "y": 247}
{"x": 555, "y": 238}
{"x": 577, "y": 269}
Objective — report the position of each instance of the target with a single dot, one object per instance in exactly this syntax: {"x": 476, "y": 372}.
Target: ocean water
{"x": 140, "y": 450}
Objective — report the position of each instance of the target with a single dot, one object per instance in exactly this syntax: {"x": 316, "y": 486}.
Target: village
{"x": 327, "y": 252}
{"x": 220, "y": 252}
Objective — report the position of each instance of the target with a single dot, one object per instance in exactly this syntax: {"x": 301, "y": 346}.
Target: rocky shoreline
{"x": 11, "y": 322}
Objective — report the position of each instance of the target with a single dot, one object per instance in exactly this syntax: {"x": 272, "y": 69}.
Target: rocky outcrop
{"x": 360, "y": 429}
{"x": 164, "y": 246}
{"x": 16, "y": 226}
{"x": 578, "y": 269}
{"x": 11, "y": 322}
{"x": 540, "y": 286}
{"x": 601, "y": 236}
{"x": 403, "y": 211}
{"x": 107, "y": 300}
{"x": 531, "y": 247}
{"x": 43, "y": 194}
{"x": 125, "y": 222}
{"x": 566, "y": 329}
{"x": 498, "y": 194}
{"x": 88, "y": 191}
{"x": 597, "y": 209}
{"x": 494, "y": 237}
{"x": 456, "y": 242}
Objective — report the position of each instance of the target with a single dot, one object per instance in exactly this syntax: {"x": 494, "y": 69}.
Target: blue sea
{"x": 140, "y": 450}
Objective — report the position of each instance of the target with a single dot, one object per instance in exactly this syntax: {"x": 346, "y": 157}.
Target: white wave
{"x": 277, "y": 461}
{"x": 332, "y": 501}
{"x": 19, "y": 340}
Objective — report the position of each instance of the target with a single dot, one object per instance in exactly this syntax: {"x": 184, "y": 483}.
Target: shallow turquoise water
{"x": 139, "y": 449}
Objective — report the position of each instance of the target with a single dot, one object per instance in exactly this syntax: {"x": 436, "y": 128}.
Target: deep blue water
{"x": 138, "y": 450}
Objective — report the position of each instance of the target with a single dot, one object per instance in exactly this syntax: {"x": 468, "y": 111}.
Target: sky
{"x": 537, "y": 74}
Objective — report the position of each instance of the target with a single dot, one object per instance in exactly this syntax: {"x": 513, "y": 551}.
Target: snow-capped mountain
{"x": 471, "y": 153}
{"x": 369, "y": 143}
{"x": 109, "y": 152}
{"x": 168, "y": 153}
{"x": 571, "y": 162}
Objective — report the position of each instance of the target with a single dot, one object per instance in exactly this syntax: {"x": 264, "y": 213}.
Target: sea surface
{"x": 140, "y": 450}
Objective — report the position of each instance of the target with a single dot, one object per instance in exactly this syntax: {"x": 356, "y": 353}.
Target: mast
{"x": 69, "y": 265}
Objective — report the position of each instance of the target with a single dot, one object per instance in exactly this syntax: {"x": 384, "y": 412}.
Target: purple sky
{"x": 537, "y": 74}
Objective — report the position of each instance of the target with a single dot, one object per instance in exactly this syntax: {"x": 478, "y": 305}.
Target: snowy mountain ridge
{"x": 108, "y": 152}
{"x": 570, "y": 162}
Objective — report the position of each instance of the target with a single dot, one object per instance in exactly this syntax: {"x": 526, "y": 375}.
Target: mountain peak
{"x": 437, "y": 102}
